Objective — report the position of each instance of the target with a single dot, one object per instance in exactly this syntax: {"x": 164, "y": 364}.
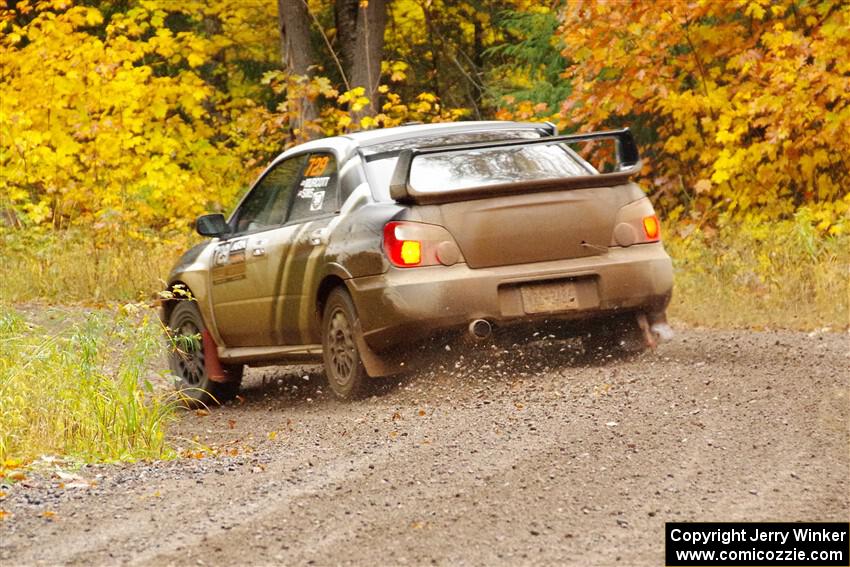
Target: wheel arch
{"x": 326, "y": 286}
{"x": 172, "y": 298}
{"x": 194, "y": 291}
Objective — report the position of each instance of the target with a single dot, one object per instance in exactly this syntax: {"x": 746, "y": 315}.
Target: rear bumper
{"x": 404, "y": 305}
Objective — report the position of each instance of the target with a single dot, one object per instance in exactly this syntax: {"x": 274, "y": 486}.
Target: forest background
{"x": 121, "y": 121}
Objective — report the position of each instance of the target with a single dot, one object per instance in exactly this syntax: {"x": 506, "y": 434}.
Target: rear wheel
{"x": 188, "y": 361}
{"x": 344, "y": 368}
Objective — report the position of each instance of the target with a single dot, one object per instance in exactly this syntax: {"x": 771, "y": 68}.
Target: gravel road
{"x": 525, "y": 455}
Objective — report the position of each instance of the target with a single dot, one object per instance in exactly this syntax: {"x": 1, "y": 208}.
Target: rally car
{"x": 353, "y": 249}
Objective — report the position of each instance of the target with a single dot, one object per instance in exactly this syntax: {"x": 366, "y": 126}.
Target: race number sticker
{"x": 316, "y": 166}
{"x": 318, "y": 200}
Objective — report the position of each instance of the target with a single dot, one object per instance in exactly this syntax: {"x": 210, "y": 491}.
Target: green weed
{"x": 780, "y": 275}
{"x": 84, "y": 392}
{"x": 84, "y": 266}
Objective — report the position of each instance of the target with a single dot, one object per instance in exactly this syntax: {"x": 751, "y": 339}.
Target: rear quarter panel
{"x": 354, "y": 249}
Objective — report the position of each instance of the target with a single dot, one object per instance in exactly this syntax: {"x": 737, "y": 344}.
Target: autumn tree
{"x": 742, "y": 107}
{"x": 123, "y": 123}
{"x": 360, "y": 31}
{"x": 356, "y": 55}
{"x": 297, "y": 53}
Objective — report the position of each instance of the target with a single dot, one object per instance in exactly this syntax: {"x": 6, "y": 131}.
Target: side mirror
{"x": 212, "y": 225}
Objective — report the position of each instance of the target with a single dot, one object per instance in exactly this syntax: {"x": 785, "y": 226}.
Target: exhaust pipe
{"x": 480, "y": 329}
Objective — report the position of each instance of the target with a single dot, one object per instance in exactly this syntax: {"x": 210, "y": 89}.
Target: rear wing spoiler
{"x": 628, "y": 164}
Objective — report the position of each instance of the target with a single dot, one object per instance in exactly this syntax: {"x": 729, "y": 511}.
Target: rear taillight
{"x": 651, "y": 228}
{"x": 401, "y": 252}
{"x": 413, "y": 244}
{"x": 636, "y": 223}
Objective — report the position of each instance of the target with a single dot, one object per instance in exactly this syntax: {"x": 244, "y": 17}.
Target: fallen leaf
{"x": 421, "y": 412}
{"x": 4, "y": 514}
{"x": 16, "y": 475}
{"x": 48, "y": 515}
{"x": 202, "y": 412}
{"x": 396, "y": 416}
{"x": 702, "y": 186}
{"x": 231, "y": 423}
{"x": 2, "y": 494}
{"x": 272, "y": 435}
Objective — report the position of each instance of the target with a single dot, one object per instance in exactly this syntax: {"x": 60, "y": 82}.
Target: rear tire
{"x": 188, "y": 362}
{"x": 347, "y": 377}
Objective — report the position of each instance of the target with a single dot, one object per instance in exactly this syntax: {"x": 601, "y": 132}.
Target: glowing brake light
{"x": 401, "y": 252}
{"x": 410, "y": 244}
{"x": 651, "y": 227}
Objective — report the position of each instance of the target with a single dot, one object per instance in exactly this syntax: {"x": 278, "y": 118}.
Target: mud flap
{"x": 654, "y": 328}
{"x": 648, "y": 335}
{"x": 212, "y": 364}
{"x": 375, "y": 364}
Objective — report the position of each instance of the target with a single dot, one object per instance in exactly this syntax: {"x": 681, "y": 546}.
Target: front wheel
{"x": 344, "y": 368}
{"x": 188, "y": 360}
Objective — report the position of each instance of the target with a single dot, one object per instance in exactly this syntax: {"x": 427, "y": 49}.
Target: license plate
{"x": 549, "y": 297}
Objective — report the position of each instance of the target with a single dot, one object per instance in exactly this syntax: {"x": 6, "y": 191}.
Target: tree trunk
{"x": 360, "y": 29}
{"x": 297, "y": 55}
{"x": 345, "y": 13}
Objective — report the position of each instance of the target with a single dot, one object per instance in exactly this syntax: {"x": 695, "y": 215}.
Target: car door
{"x": 314, "y": 206}
{"x": 247, "y": 266}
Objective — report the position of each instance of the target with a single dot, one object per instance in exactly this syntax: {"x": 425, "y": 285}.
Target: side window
{"x": 268, "y": 203}
{"x": 317, "y": 190}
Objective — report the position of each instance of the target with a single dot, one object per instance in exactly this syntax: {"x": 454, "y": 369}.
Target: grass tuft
{"x": 84, "y": 392}
{"x": 783, "y": 274}
{"x": 84, "y": 266}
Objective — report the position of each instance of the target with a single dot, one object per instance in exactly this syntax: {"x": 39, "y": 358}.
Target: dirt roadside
{"x": 529, "y": 455}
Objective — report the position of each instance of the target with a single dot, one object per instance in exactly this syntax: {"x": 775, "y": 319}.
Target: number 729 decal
{"x": 316, "y": 165}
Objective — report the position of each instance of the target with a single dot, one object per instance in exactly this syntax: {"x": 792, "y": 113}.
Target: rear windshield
{"x": 381, "y": 158}
{"x": 477, "y": 168}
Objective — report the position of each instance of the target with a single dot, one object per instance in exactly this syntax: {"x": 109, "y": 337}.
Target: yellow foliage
{"x": 144, "y": 117}
{"x": 98, "y": 130}
{"x": 122, "y": 122}
{"x": 748, "y": 114}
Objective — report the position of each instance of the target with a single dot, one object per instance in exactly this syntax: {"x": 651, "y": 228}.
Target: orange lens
{"x": 411, "y": 252}
{"x": 650, "y": 227}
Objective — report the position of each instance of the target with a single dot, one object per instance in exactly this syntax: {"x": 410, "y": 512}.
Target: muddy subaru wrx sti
{"x": 356, "y": 248}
